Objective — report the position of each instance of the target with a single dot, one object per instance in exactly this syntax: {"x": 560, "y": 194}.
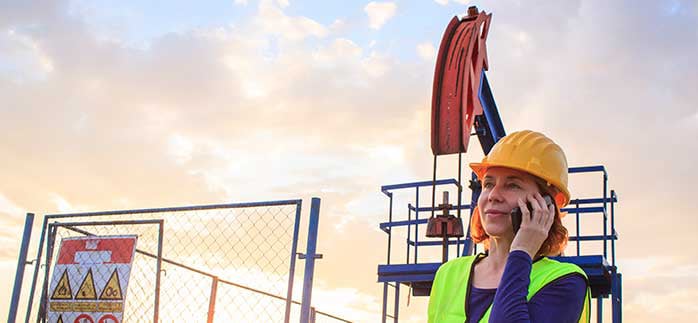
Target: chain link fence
{"x": 225, "y": 263}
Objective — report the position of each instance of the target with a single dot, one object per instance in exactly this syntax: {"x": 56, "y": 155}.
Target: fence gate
{"x": 204, "y": 263}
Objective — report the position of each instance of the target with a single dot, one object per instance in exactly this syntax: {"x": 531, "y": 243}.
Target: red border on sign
{"x": 121, "y": 249}
{"x": 83, "y": 316}
{"x": 107, "y": 316}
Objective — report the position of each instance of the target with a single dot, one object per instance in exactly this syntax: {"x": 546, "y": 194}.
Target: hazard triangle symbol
{"x": 112, "y": 290}
{"x": 60, "y": 319}
{"x": 87, "y": 288}
{"x": 62, "y": 290}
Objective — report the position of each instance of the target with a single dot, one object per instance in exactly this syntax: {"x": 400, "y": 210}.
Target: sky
{"x": 131, "y": 104}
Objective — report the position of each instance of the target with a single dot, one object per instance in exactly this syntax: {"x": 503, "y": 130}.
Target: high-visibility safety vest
{"x": 447, "y": 301}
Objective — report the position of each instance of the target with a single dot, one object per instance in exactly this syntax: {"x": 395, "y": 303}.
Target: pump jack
{"x": 462, "y": 100}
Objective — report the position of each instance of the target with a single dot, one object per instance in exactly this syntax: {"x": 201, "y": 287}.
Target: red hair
{"x": 554, "y": 245}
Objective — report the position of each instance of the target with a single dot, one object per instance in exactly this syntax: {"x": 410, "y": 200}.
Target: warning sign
{"x": 87, "y": 288}
{"x": 62, "y": 290}
{"x": 112, "y": 291}
{"x": 90, "y": 279}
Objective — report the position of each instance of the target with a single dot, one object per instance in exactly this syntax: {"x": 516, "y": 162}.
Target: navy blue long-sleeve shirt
{"x": 560, "y": 301}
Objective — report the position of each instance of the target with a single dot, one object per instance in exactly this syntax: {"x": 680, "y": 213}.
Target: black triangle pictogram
{"x": 60, "y": 319}
{"x": 62, "y": 289}
{"x": 87, "y": 287}
{"x": 112, "y": 290}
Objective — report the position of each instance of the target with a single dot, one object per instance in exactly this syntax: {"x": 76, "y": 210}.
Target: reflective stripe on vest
{"x": 451, "y": 286}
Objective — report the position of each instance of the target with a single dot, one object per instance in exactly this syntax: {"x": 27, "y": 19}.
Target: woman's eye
{"x": 513, "y": 185}
{"x": 488, "y": 185}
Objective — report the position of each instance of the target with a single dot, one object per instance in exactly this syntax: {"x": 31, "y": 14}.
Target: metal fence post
{"x": 396, "y": 310}
{"x": 292, "y": 266}
{"x": 212, "y": 299}
{"x": 156, "y": 310}
{"x": 310, "y": 259}
{"x": 43, "y": 304}
{"x": 21, "y": 263}
{"x": 36, "y": 270}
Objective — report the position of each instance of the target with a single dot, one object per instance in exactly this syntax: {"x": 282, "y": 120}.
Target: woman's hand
{"x": 534, "y": 229}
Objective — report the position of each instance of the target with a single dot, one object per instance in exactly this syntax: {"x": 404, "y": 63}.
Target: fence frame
{"x": 310, "y": 260}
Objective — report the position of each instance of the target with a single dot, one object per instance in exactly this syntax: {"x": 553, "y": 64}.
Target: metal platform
{"x": 421, "y": 276}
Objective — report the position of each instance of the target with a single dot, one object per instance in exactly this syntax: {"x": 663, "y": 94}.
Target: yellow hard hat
{"x": 531, "y": 152}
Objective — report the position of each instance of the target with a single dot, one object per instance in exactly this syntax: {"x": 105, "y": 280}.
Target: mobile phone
{"x": 516, "y": 213}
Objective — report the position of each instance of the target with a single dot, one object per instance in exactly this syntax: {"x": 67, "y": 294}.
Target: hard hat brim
{"x": 562, "y": 198}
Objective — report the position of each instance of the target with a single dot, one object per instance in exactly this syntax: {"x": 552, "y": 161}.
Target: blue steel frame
{"x": 490, "y": 133}
{"x": 604, "y": 277}
{"x": 310, "y": 256}
{"x": 388, "y": 226}
{"x": 21, "y": 262}
{"x": 310, "y": 261}
{"x": 607, "y": 202}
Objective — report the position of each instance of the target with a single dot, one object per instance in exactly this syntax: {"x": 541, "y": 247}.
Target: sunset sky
{"x": 135, "y": 104}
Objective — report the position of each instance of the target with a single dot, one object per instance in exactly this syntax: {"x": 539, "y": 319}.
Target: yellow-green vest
{"x": 447, "y": 301}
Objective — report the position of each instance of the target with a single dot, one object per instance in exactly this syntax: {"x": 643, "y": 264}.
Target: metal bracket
{"x": 303, "y": 256}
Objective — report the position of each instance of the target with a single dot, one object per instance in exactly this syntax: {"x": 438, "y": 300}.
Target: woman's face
{"x": 501, "y": 189}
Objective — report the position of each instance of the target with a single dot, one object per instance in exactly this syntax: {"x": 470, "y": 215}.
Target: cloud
{"x": 426, "y": 51}
{"x": 180, "y": 148}
{"x": 10, "y": 211}
{"x": 340, "y": 47}
{"x": 187, "y": 110}
{"x": 9, "y": 207}
{"x": 691, "y": 120}
{"x": 338, "y": 26}
{"x": 12, "y": 218}
{"x": 282, "y": 3}
{"x": 674, "y": 304}
{"x": 379, "y": 13}
{"x": 445, "y": 2}
{"x": 272, "y": 20}
{"x": 63, "y": 206}
{"x": 22, "y": 58}
{"x": 671, "y": 297}
{"x": 377, "y": 65}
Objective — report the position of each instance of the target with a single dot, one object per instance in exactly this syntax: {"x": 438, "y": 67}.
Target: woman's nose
{"x": 495, "y": 194}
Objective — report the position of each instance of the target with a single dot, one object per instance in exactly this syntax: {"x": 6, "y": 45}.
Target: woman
{"x": 514, "y": 281}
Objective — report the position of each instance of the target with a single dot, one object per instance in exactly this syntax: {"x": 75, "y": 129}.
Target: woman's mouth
{"x": 496, "y": 213}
